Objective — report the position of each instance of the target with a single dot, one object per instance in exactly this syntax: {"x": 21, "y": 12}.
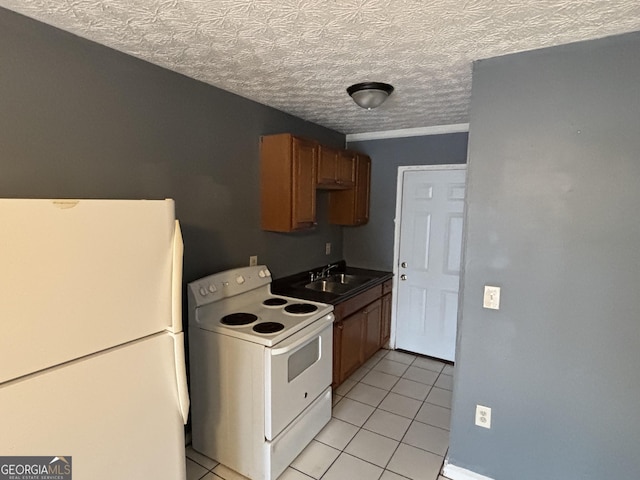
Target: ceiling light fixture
{"x": 370, "y": 94}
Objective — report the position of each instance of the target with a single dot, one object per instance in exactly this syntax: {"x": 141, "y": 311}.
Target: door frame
{"x": 396, "y": 235}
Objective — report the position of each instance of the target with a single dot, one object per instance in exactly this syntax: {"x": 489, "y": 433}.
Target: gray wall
{"x": 80, "y": 120}
{"x": 552, "y": 218}
{"x": 371, "y": 245}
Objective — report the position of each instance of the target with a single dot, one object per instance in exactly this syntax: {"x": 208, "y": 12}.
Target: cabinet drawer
{"x": 354, "y": 304}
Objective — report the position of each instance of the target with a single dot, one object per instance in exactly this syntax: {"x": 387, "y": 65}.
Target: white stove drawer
{"x": 297, "y": 371}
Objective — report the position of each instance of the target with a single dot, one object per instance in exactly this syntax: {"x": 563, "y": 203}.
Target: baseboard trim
{"x": 459, "y": 473}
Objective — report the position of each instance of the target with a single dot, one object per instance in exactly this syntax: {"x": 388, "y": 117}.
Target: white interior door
{"x": 429, "y": 236}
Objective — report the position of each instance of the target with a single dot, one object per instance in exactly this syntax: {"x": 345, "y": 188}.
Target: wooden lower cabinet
{"x": 361, "y": 328}
{"x": 373, "y": 324}
{"x": 385, "y": 330}
{"x": 351, "y": 353}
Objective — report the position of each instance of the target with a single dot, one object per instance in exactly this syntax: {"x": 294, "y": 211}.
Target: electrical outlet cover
{"x": 483, "y": 416}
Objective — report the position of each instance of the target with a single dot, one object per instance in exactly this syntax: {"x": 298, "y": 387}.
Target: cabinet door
{"x": 373, "y": 324}
{"x": 385, "y": 331}
{"x": 351, "y": 352}
{"x": 327, "y": 166}
{"x": 304, "y": 183}
{"x": 351, "y": 207}
{"x": 362, "y": 190}
{"x": 346, "y": 167}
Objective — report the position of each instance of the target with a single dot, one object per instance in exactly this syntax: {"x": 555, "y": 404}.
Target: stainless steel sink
{"x": 339, "y": 283}
{"x": 347, "y": 279}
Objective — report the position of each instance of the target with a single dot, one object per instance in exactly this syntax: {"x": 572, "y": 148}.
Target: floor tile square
{"x": 203, "y": 460}
{"x": 226, "y": 473}
{"x": 315, "y": 459}
{"x": 292, "y": 474}
{"x": 387, "y": 424}
{"x": 434, "y": 415}
{"x": 367, "y": 394}
{"x": 358, "y": 374}
{"x": 372, "y": 447}
{"x": 428, "y": 377}
{"x": 401, "y": 357}
{"x": 441, "y": 397}
{"x": 380, "y": 354}
{"x": 195, "y": 471}
{"x": 448, "y": 370}
{"x": 213, "y": 476}
{"x": 429, "y": 364}
{"x": 372, "y": 362}
{"x": 347, "y": 467}
{"x": 414, "y": 463}
{"x": 337, "y": 434}
{"x": 445, "y": 382}
{"x": 345, "y": 386}
{"x": 400, "y": 405}
{"x": 391, "y": 367}
{"x": 412, "y": 389}
{"x": 388, "y": 475}
{"x": 352, "y": 412}
{"x": 380, "y": 379}
{"x": 427, "y": 437}
{"x": 336, "y": 398}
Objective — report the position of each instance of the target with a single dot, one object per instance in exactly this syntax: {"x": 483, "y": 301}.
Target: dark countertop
{"x": 293, "y": 285}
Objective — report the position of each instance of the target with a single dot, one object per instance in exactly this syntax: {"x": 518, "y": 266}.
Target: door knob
{"x": 403, "y": 264}
{"x": 403, "y": 277}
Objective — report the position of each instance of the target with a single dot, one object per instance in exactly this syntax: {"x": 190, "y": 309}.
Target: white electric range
{"x": 260, "y": 370}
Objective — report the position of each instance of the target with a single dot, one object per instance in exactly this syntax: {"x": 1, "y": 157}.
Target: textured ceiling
{"x": 300, "y": 55}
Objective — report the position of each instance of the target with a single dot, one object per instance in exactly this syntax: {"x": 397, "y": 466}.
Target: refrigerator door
{"x": 115, "y": 413}
{"x": 81, "y": 276}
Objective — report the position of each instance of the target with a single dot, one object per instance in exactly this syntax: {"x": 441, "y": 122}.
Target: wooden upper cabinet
{"x": 288, "y": 183}
{"x": 336, "y": 168}
{"x": 351, "y": 207}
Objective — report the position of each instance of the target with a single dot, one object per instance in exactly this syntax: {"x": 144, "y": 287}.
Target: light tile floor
{"x": 390, "y": 422}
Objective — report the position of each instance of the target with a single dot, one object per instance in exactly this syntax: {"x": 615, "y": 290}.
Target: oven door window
{"x": 303, "y": 358}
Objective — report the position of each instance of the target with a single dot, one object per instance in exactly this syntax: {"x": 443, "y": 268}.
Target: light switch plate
{"x": 491, "y": 297}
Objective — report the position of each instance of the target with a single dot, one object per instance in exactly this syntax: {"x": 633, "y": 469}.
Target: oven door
{"x": 297, "y": 371}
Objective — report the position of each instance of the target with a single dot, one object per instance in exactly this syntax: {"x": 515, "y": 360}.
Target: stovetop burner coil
{"x": 240, "y": 318}
{"x": 300, "y": 308}
{"x": 274, "y": 302}
{"x": 268, "y": 327}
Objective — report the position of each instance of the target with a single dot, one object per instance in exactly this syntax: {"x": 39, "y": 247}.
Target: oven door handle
{"x": 286, "y": 347}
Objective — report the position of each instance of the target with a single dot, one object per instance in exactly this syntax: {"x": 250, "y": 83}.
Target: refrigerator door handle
{"x": 176, "y": 280}
{"x": 181, "y": 375}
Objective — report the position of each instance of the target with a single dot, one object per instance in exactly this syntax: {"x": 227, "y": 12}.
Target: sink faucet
{"x": 326, "y": 270}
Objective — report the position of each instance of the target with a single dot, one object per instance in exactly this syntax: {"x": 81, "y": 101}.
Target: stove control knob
{"x": 212, "y": 287}
{"x": 239, "y": 279}
{"x": 265, "y": 273}
{"x": 203, "y": 291}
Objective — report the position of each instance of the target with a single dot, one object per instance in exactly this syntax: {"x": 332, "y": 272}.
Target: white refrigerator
{"x": 91, "y": 342}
